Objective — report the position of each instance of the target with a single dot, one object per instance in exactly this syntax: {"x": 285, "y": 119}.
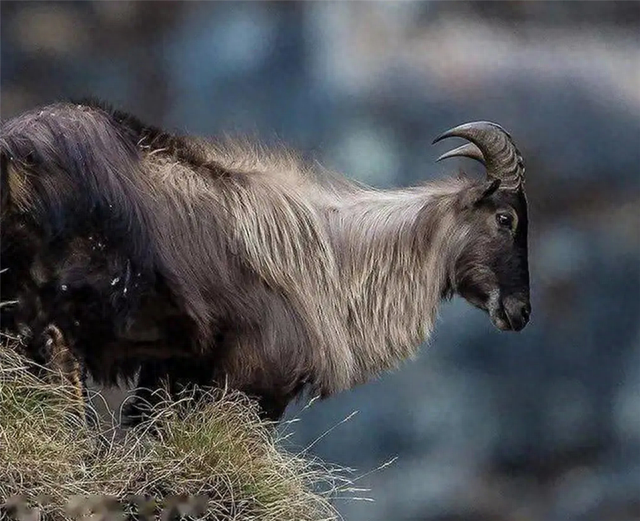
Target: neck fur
{"x": 395, "y": 251}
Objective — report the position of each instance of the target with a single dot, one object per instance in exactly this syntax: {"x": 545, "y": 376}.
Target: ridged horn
{"x": 493, "y": 143}
{"x": 468, "y": 150}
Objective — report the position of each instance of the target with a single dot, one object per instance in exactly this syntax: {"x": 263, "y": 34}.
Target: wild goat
{"x": 212, "y": 262}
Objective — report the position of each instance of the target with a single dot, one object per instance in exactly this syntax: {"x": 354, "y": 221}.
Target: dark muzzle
{"x": 512, "y": 313}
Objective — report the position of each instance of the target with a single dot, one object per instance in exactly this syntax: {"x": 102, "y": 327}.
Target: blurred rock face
{"x": 537, "y": 425}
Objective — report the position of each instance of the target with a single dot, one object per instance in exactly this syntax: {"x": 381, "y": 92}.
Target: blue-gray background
{"x": 540, "y": 425}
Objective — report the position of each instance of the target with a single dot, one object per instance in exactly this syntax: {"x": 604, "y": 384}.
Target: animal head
{"x": 491, "y": 271}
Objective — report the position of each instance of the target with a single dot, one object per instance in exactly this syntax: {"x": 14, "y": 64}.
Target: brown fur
{"x": 278, "y": 274}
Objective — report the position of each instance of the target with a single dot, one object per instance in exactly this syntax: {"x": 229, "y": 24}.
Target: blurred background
{"x": 539, "y": 425}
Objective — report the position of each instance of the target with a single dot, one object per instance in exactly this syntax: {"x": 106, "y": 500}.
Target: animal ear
{"x": 477, "y": 194}
{"x": 487, "y": 189}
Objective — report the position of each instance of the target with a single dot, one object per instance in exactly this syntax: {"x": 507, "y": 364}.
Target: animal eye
{"x": 504, "y": 219}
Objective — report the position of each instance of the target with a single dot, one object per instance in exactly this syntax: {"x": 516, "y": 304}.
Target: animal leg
{"x": 174, "y": 374}
{"x": 272, "y": 408}
{"x": 147, "y": 395}
{"x": 61, "y": 360}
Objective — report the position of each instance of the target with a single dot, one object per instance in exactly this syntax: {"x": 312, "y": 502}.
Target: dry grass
{"x": 218, "y": 450}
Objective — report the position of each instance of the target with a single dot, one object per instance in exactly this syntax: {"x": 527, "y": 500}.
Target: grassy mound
{"x": 216, "y": 458}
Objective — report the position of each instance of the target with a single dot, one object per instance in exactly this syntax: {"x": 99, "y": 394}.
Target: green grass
{"x": 216, "y": 449}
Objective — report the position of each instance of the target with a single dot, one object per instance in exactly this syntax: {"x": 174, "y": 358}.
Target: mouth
{"x": 501, "y": 320}
{"x": 510, "y": 313}
{"x": 506, "y": 320}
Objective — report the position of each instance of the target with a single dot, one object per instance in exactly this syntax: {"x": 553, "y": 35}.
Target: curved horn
{"x": 468, "y": 150}
{"x": 501, "y": 156}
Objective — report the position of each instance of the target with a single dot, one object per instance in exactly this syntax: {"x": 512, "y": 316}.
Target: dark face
{"x": 492, "y": 272}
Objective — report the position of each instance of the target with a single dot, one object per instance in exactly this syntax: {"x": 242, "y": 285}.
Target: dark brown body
{"x": 197, "y": 265}
{"x": 90, "y": 277}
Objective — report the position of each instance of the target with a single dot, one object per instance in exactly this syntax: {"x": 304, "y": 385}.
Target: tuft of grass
{"x": 215, "y": 454}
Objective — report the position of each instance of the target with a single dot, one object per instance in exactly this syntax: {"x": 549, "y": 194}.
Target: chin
{"x": 501, "y": 320}
{"x": 501, "y": 323}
